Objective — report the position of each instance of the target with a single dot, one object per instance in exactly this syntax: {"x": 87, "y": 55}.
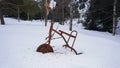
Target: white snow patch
{"x": 19, "y": 41}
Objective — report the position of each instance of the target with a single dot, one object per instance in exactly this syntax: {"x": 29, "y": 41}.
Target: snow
{"x": 19, "y": 41}
{"x": 83, "y": 11}
{"x": 52, "y": 4}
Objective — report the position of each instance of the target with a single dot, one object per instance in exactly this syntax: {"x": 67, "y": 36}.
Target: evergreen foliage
{"x": 100, "y": 15}
{"x": 31, "y": 9}
{"x": 27, "y": 8}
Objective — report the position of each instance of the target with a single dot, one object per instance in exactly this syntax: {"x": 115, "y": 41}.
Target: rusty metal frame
{"x": 60, "y": 32}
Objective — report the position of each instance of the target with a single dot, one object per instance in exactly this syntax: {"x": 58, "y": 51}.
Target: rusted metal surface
{"x": 60, "y": 32}
{"x": 50, "y": 33}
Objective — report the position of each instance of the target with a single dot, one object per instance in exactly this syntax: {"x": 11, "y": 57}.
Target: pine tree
{"x": 100, "y": 15}
{"x": 30, "y": 8}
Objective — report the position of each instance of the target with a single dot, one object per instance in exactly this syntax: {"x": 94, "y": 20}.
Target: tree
{"x": 1, "y": 15}
{"x": 62, "y": 11}
{"x": 82, "y": 7}
{"x": 71, "y": 16}
{"x": 99, "y": 16}
{"x": 114, "y": 17}
{"x": 30, "y": 8}
{"x": 20, "y": 9}
{"x": 10, "y": 7}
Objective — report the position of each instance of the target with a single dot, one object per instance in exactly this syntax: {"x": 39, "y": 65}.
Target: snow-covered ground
{"x": 19, "y": 41}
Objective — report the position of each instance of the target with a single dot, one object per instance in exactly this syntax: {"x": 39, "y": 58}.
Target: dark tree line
{"x": 31, "y": 9}
{"x": 21, "y": 9}
{"x": 100, "y": 15}
{"x": 62, "y": 11}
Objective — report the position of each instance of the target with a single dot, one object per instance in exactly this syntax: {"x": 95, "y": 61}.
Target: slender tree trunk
{"x": 18, "y": 14}
{"x": 28, "y": 16}
{"x": 46, "y": 18}
{"x": 114, "y": 17}
{"x": 1, "y": 18}
{"x": 71, "y": 17}
{"x": 63, "y": 13}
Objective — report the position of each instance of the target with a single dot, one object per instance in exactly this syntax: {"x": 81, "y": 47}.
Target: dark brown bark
{"x": 2, "y": 22}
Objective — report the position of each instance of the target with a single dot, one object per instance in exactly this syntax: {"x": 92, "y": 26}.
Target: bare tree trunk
{"x": 46, "y": 18}
{"x": 28, "y": 16}
{"x": 18, "y": 14}
{"x": 63, "y": 13}
{"x": 1, "y": 18}
{"x": 71, "y": 16}
{"x": 114, "y": 17}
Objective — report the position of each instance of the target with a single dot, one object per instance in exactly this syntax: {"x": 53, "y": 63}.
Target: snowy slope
{"x": 19, "y": 41}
